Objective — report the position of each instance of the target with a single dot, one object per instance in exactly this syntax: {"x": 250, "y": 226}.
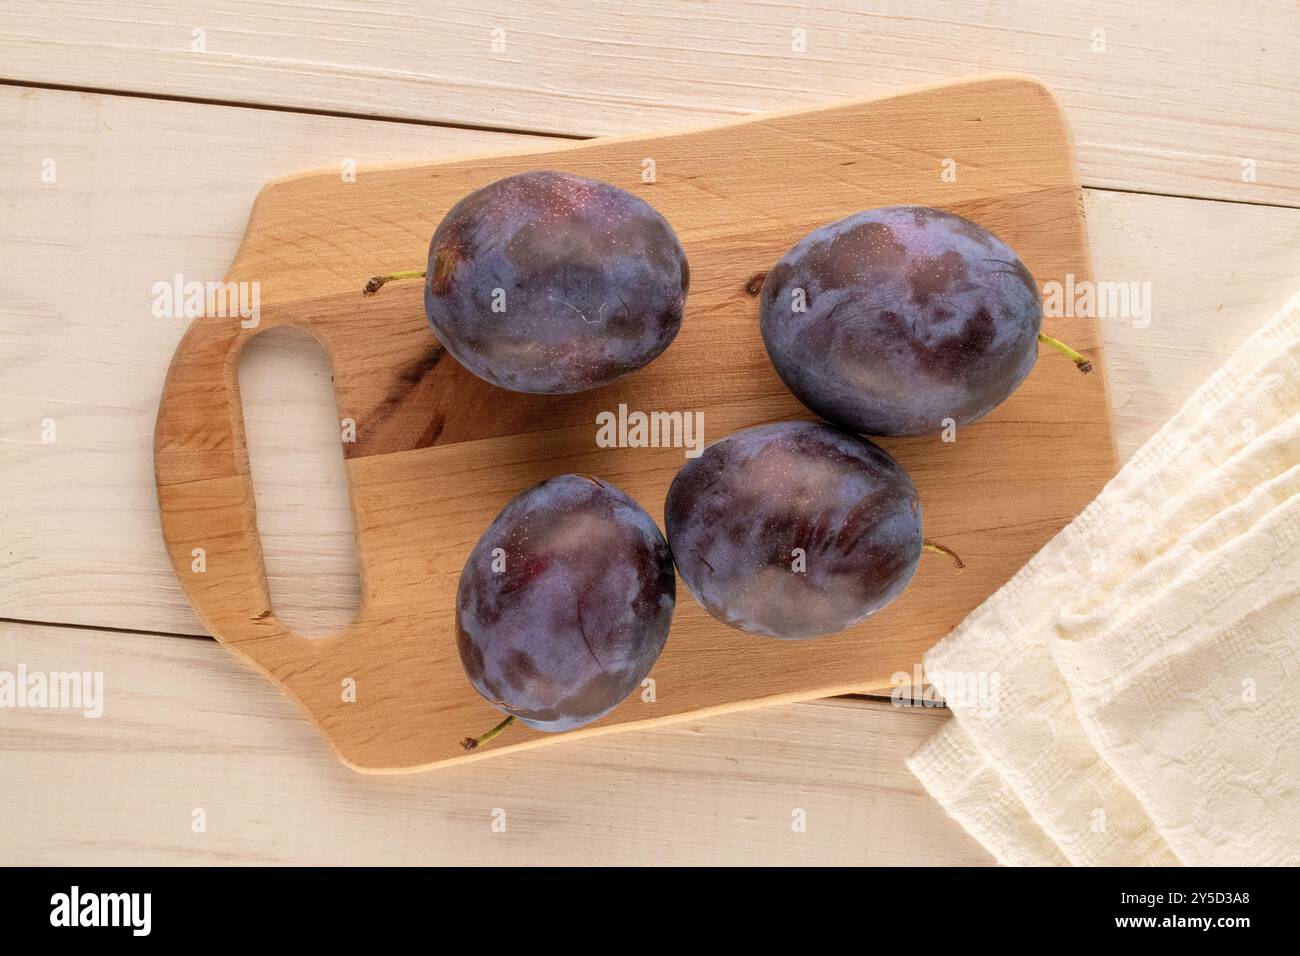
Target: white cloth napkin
{"x": 1147, "y": 660}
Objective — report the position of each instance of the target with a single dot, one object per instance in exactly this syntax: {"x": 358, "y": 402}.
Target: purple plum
{"x": 550, "y": 283}
{"x": 891, "y": 321}
{"x": 794, "y": 529}
{"x": 565, "y": 603}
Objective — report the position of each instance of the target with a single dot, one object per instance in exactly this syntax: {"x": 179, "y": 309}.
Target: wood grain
{"x": 1175, "y": 96}
{"x": 1193, "y": 85}
{"x": 439, "y": 452}
{"x": 81, "y": 541}
{"x": 1216, "y": 271}
{"x": 186, "y": 727}
{"x": 81, "y": 347}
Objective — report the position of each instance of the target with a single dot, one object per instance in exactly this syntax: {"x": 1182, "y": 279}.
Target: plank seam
{"x": 100, "y": 627}
{"x": 509, "y": 130}
{"x": 273, "y": 108}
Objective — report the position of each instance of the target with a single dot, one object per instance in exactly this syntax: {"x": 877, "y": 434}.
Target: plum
{"x": 550, "y": 283}
{"x": 564, "y": 604}
{"x": 893, "y": 320}
{"x": 794, "y": 529}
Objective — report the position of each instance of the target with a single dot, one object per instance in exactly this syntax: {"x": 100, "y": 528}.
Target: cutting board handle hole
{"x": 295, "y": 453}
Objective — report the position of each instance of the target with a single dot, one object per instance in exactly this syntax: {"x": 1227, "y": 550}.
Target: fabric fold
{"x": 1147, "y": 657}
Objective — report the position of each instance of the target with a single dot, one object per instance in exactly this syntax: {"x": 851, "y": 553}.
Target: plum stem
{"x": 928, "y": 545}
{"x": 1084, "y": 363}
{"x": 469, "y": 743}
{"x": 376, "y": 282}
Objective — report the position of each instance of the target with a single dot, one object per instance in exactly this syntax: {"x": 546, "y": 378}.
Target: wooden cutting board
{"x": 439, "y": 452}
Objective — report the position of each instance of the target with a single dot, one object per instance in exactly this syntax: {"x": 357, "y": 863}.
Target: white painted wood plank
{"x": 134, "y": 203}
{"x": 186, "y": 727}
{"x": 1170, "y": 96}
{"x": 146, "y": 190}
{"x": 1217, "y": 272}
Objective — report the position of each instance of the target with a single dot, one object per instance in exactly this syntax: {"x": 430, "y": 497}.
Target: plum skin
{"x": 581, "y": 611}
{"x": 592, "y": 279}
{"x": 913, "y": 316}
{"x": 735, "y": 515}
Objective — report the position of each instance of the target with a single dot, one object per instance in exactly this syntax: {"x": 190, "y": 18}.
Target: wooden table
{"x": 135, "y": 138}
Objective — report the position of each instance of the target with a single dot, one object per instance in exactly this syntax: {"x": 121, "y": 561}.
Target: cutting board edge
{"x": 552, "y": 143}
{"x": 552, "y": 146}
